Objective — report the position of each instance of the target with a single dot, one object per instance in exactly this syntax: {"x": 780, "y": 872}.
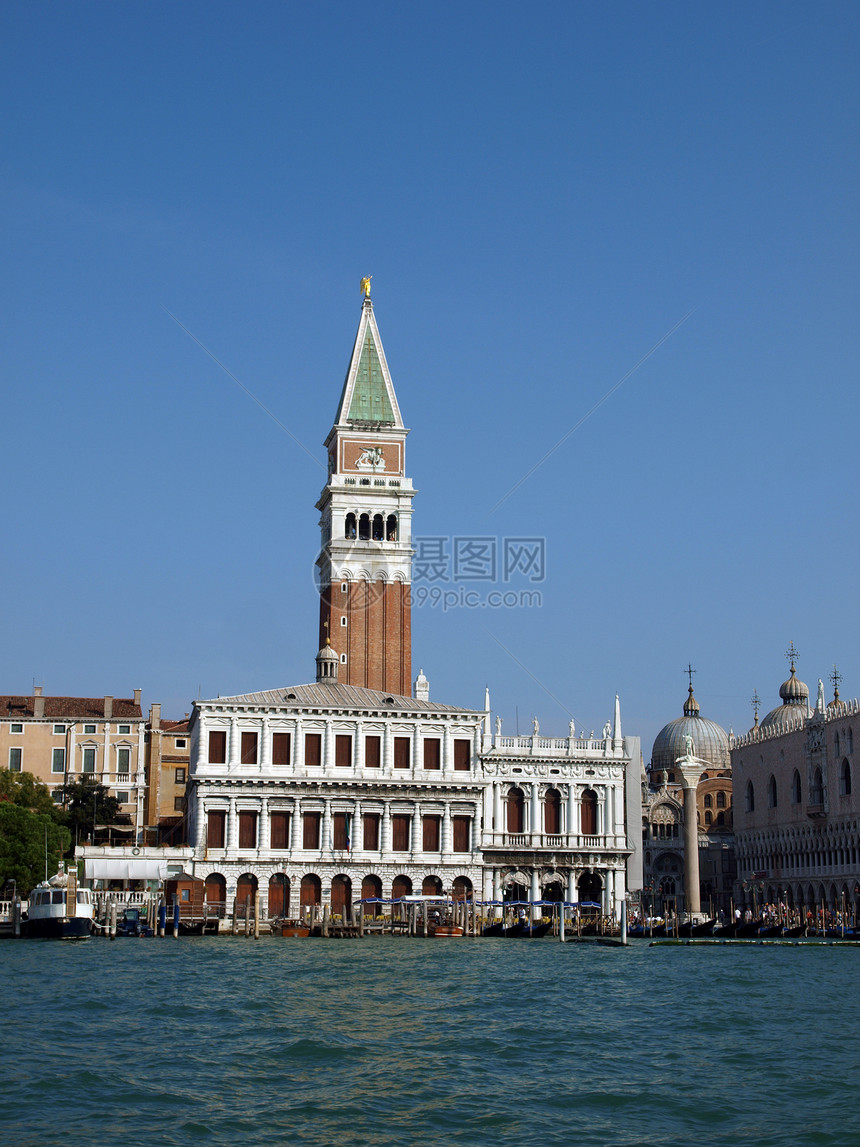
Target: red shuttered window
{"x": 280, "y": 748}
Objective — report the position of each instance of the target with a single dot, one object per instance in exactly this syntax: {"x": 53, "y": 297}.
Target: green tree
{"x": 24, "y": 836}
{"x": 24, "y": 790}
{"x": 87, "y": 804}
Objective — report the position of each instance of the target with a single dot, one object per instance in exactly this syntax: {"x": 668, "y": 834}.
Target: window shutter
{"x": 432, "y": 753}
{"x": 280, "y": 748}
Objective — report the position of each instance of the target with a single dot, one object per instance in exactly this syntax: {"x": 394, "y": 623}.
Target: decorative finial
{"x": 836, "y": 679}
{"x": 327, "y": 638}
{"x": 365, "y": 286}
{"x": 791, "y": 655}
{"x": 755, "y": 701}
{"x": 690, "y": 671}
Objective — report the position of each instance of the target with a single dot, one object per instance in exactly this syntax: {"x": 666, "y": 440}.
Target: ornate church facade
{"x": 354, "y": 786}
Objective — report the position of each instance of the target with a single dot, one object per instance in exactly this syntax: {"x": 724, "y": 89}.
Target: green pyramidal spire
{"x": 370, "y": 401}
{"x": 368, "y": 392}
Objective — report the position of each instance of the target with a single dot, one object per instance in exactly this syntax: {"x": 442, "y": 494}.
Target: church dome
{"x": 710, "y": 741}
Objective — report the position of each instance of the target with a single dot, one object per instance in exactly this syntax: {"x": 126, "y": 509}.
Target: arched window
{"x": 364, "y": 528}
{"x": 750, "y": 806}
{"x": 431, "y": 886}
{"x": 552, "y": 812}
{"x": 391, "y": 528}
{"x": 721, "y": 800}
{"x": 378, "y": 530}
{"x": 708, "y": 816}
{"x": 516, "y": 804}
{"x": 845, "y": 779}
{"x": 816, "y": 793}
{"x": 349, "y": 528}
{"x": 589, "y": 813}
{"x": 771, "y": 792}
{"x": 707, "y": 801}
{"x": 795, "y": 788}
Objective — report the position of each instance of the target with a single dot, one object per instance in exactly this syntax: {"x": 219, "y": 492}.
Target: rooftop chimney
{"x": 37, "y": 690}
{"x": 38, "y": 703}
{"x": 155, "y": 716}
{"x": 108, "y": 708}
{"x": 137, "y": 696}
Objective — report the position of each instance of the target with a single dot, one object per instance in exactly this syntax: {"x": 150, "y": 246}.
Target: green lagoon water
{"x": 392, "y": 1041}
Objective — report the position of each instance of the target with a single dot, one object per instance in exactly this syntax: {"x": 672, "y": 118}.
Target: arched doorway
{"x": 216, "y": 895}
{"x": 552, "y": 812}
{"x": 371, "y": 888}
{"x": 246, "y": 894}
{"x": 431, "y": 886}
{"x": 341, "y": 897}
{"x": 516, "y": 888}
{"x": 553, "y": 890}
{"x": 515, "y": 811}
{"x": 310, "y": 893}
{"x": 279, "y": 895}
{"x": 590, "y": 888}
{"x": 400, "y": 886}
{"x": 462, "y": 888}
{"x": 588, "y": 811}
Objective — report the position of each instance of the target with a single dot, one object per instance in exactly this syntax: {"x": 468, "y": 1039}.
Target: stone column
{"x": 264, "y": 829}
{"x": 534, "y": 810}
{"x": 571, "y": 886}
{"x": 328, "y": 747}
{"x": 447, "y": 750}
{"x": 325, "y": 836}
{"x": 447, "y": 842}
{"x": 357, "y": 834}
{"x": 201, "y": 825}
{"x": 387, "y": 751}
{"x": 573, "y": 810}
{"x": 534, "y": 893}
{"x": 415, "y": 828}
{"x": 498, "y": 809}
{"x": 266, "y": 745}
{"x": 385, "y": 833}
{"x": 297, "y": 746}
{"x": 690, "y": 770}
{"x": 417, "y": 755}
{"x": 358, "y": 749}
{"x": 233, "y": 751}
{"x": 489, "y": 879}
{"x": 232, "y": 826}
{"x": 296, "y": 826}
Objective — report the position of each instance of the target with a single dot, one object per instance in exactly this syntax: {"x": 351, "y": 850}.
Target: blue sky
{"x": 541, "y": 194}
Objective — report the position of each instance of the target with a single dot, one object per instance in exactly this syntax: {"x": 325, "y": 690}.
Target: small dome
{"x": 327, "y": 654}
{"x": 795, "y": 703}
{"x": 710, "y": 742}
{"x": 793, "y": 691}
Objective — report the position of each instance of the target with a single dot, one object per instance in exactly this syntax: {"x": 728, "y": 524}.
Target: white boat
{"x": 59, "y": 910}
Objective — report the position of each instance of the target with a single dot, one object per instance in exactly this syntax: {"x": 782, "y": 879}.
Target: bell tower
{"x": 365, "y": 562}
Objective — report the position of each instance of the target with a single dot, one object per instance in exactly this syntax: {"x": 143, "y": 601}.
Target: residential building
{"x": 168, "y": 758}
{"x": 62, "y": 739}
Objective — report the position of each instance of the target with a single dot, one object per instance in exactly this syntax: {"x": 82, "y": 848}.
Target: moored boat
{"x": 59, "y": 910}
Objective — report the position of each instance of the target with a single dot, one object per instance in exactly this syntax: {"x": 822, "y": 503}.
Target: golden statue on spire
{"x": 365, "y": 286}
